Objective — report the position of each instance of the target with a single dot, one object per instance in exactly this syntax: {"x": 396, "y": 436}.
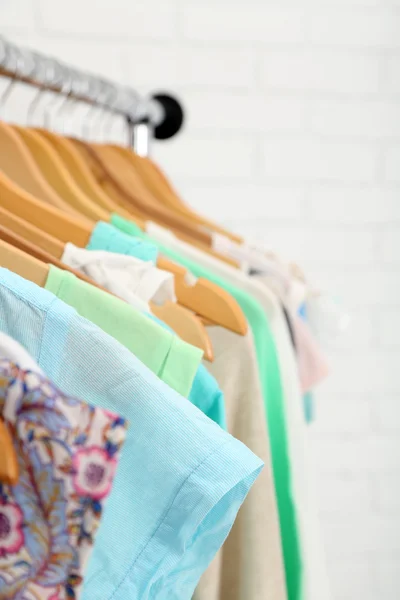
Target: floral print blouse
{"x": 67, "y": 454}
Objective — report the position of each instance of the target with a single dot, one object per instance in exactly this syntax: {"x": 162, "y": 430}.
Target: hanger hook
{"x": 122, "y": 105}
{"x": 80, "y": 90}
{"x": 96, "y": 96}
{"x": 22, "y": 58}
{"x": 46, "y": 66}
{"x": 10, "y": 52}
{"x": 106, "y": 96}
{"x": 56, "y": 68}
{"x": 69, "y": 103}
{"x": 108, "y": 112}
{"x": 132, "y": 111}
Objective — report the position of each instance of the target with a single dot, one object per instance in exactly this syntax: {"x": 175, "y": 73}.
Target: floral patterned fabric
{"x": 67, "y": 454}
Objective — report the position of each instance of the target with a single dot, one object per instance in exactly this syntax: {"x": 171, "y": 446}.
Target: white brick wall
{"x": 293, "y": 137}
{"x": 235, "y": 22}
{"x": 324, "y": 70}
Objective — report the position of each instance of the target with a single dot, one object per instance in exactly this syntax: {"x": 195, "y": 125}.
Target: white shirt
{"x": 135, "y": 281}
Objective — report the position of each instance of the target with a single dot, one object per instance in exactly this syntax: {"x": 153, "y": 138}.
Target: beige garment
{"x": 250, "y": 565}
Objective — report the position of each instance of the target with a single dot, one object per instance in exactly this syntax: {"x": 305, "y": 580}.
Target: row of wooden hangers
{"x": 54, "y": 190}
{"x": 58, "y": 188}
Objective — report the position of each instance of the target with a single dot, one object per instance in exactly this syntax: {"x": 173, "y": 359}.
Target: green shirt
{"x": 173, "y": 360}
{"x": 273, "y": 399}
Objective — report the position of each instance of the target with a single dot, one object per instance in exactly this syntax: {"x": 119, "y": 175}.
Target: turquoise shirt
{"x": 205, "y": 392}
{"x": 206, "y": 395}
{"x": 107, "y": 237}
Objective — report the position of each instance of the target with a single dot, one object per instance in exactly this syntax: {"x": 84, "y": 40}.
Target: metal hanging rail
{"x": 161, "y": 114}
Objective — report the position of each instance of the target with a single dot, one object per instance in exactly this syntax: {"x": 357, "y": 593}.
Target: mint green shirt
{"x": 273, "y": 399}
{"x": 164, "y": 353}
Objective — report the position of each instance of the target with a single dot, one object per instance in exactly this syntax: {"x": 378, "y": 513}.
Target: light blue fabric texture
{"x": 181, "y": 478}
{"x": 205, "y": 392}
{"x": 309, "y": 409}
{"x": 207, "y": 396}
{"x": 308, "y": 397}
{"x": 107, "y": 237}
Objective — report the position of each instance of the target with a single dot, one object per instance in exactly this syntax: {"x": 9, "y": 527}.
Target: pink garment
{"x": 312, "y": 363}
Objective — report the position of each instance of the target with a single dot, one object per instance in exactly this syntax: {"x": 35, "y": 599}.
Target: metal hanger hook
{"x": 99, "y": 108}
{"x": 80, "y": 90}
{"x": 46, "y": 80}
{"x": 68, "y": 105}
{"x": 9, "y": 50}
{"x": 95, "y": 93}
{"x": 108, "y": 113}
{"x": 55, "y": 66}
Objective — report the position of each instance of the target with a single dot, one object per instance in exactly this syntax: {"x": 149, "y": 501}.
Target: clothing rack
{"x": 160, "y": 115}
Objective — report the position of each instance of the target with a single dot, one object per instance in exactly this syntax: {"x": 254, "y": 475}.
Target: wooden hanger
{"x": 122, "y": 172}
{"x": 105, "y": 179}
{"x": 17, "y": 261}
{"x": 67, "y": 228}
{"x": 107, "y": 185}
{"x": 108, "y": 154}
{"x": 31, "y": 233}
{"x": 184, "y": 227}
{"x": 9, "y": 236}
{"x": 158, "y": 183}
{"x": 185, "y": 324}
{"x": 114, "y": 187}
{"x": 30, "y": 268}
{"x": 53, "y": 169}
{"x": 23, "y": 264}
{"x": 154, "y": 170}
{"x": 16, "y": 162}
{"x": 80, "y": 172}
{"x": 206, "y": 299}
{"x": 135, "y": 195}
{"x": 212, "y": 302}
{"x": 62, "y": 226}
{"x": 9, "y": 471}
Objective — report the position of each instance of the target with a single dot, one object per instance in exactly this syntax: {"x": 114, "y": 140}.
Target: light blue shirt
{"x": 181, "y": 478}
{"x": 207, "y": 396}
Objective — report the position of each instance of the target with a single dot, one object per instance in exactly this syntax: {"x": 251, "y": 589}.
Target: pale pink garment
{"x": 312, "y": 363}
